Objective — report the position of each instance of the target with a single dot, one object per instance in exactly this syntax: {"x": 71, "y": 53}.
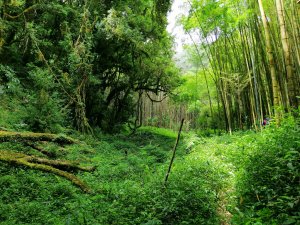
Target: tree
{"x": 275, "y": 85}
{"x": 89, "y": 58}
{"x": 245, "y": 49}
{"x": 286, "y": 52}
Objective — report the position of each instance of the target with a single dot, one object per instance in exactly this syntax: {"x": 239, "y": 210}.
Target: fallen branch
{"x": 8, "y": 136}
{"x": 61, "y": 164}
{"x": 48, "y": 166}
{"x": 39, "y": 149}
{"x": 22, "y": 13}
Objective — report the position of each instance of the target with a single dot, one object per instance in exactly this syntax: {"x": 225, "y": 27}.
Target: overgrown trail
{"x": 217, "y": 150}
{"x": 204, "y": 187}
{"x": 259, "y": 174}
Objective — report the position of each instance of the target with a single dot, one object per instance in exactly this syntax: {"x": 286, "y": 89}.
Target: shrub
{"x": 269, "y": 183}
{"x": 44, "y": 113}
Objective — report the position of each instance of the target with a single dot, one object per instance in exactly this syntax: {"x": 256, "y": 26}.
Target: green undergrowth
{"x": 268, "y": 182}
{"x": 264, "y": 169}
{"x": 127, "y": 184}
{"x": 245, "y": 178}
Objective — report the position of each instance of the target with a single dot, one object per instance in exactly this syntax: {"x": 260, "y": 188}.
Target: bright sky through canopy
{"x": 174, "y": 28}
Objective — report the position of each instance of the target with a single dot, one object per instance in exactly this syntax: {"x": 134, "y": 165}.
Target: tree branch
{"x": 7, "y": 136}
{"x": 45, "y": 165}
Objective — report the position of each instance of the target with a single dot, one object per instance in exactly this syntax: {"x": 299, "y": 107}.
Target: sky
{"x": 176, "y": 30}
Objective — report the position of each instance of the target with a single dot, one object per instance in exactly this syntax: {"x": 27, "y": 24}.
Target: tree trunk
{"x": 275, "y": 85}
{"x": 286, "y": 53}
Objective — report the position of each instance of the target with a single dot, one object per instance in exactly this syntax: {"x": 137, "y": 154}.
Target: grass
{"x": 127, "y": 184}
{"x": 204, "y": 186}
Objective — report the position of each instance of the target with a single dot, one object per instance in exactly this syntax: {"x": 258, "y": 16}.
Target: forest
{"x": 104, "y": 119}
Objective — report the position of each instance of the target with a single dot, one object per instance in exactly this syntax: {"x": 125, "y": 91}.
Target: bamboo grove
{"x": 245, "y": 60}
{"x": 253, "y": 51}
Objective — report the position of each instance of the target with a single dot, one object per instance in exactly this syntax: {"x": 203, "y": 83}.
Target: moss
{"x": 40, "y": 149}
{"x": 7, "y": 136}
{"x": 63, "y": 164}
{"x": 46, "y": 165}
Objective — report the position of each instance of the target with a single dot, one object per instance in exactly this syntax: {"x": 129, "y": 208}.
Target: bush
{"x": 44, "y": 113}
{"x": 191, "y": 197}
{"x": 268, "y": 185}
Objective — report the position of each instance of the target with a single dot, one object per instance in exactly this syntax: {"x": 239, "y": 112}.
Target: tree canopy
{"x": 84, "y": 61}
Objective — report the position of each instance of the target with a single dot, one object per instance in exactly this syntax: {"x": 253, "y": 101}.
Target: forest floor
{"x": 127, "y": 184}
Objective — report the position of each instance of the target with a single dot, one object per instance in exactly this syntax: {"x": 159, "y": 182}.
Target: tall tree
{"x": 275, "y": 85}
{"x": 89, "y": 58}
{"x": 286, "y": 52}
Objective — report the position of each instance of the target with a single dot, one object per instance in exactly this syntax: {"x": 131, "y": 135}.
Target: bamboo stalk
{"x": 174, "y": 153}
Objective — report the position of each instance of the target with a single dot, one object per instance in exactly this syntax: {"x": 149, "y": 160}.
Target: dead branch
{"x": 3, "y": 129}
{"x": 46, "y": 165}
{"x": 61, "y": 164}
{"x": 22, "y": 13}
{"x": 153, "y": 100}
{"x": 39, "y": 149}
{"x": 7, "y": 136}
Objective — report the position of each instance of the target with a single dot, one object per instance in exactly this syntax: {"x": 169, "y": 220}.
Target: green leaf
{"x": 290, "y": 166}
{"x": 289, "y": 221}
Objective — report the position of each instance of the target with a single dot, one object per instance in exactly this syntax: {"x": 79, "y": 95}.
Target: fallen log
{"x": 9, "y": 136}
{"x": 39, "y": 149}
{"x": 61, "y": 164}
{"x": 51, "y": 166}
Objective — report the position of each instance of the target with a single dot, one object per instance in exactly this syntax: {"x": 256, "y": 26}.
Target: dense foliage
{"x": 83, "y": 63}
{"x": 86, "y": 68}
{"x": 241, "y": 61}
{"x": 245, "y": 178}
{"x": 127, "y": 184}
{"x": 264, "y": 168}
{"x": 269, "y": 182}
{"x": 250, "y": 49}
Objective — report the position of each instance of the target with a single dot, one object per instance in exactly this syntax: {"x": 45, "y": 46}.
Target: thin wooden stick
{"x": 174, "y": 152}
